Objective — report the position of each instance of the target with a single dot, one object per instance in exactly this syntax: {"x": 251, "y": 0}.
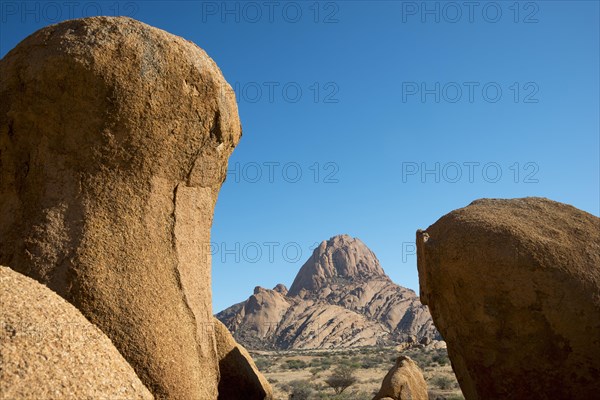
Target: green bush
{"x": 263, "y": 364}
{"x": 441, "y": 357}
{"x": 370, "y": 363}
{"x": 443, "y": 382}
{"x": 322, "y": 363}
{"x": 299, "y": 390}
{"x": 295, "y": 364}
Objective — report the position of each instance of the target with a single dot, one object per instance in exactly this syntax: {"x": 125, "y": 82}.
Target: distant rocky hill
{"x": 341, "y": 297}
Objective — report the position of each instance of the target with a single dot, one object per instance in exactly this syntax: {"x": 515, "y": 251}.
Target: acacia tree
{"x": 341, "y": 379}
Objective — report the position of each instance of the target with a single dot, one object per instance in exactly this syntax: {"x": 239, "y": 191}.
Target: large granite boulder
{"x": 404, "y": 381}
{"x": 514, "y": 288}
{"x": 48, "y": 350}
{"x": 114, "y": 141}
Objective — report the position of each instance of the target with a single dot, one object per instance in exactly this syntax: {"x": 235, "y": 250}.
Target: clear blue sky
{"x": 372, "y": 122}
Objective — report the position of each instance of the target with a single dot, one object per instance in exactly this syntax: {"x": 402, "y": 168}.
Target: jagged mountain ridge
{"x": 341, "y": 297}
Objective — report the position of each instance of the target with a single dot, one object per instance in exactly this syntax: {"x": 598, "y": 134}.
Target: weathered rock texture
{"x": 340, "y": 298}
{"x": 48, "y": 350}
{"x": 342, "y": 257}
{"x": 514, "y": 288}
{"x": 240, "y": 379}
{"x": 404, "y": 381}
{"x": 114, "y": 140}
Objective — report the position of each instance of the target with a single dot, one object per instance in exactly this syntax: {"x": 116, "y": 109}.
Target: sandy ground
{"x": 370, "y": 365}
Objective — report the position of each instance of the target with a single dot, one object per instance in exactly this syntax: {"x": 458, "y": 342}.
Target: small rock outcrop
{"x": 48, "y": 350}
{"x": 114, "y": 141}
{"x": 514, "y": 288}
{"x": 239, "y": 377}
{"x": 404, "y": 381}
{"x": 341, "y": 297}
{"x": 281, "y": 289}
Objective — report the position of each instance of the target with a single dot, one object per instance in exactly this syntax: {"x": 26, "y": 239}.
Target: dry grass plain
{"x": 303, "y": 372}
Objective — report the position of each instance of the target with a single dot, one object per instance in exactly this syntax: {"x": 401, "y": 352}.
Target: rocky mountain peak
{"x": 281, "y": 288}
{"x": 340, "y": 298}
{"x": 258, "y": 289}
{"x": 342, "y": 257}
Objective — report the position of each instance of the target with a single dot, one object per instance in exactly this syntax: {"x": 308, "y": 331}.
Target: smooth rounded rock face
{"x": 514, "y": 288}
{"x": 48, "y": 350}
{"x": 404, "y": 381}
{"x": 114, "y": 140}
